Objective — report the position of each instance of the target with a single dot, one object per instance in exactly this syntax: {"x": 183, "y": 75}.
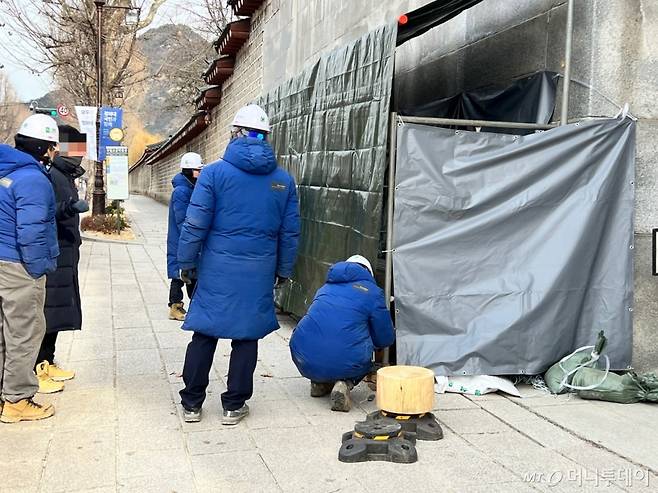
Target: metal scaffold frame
{"x": 396, "y": 120}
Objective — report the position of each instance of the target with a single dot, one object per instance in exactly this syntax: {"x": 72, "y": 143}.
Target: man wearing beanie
{"x": 63, "y": 308}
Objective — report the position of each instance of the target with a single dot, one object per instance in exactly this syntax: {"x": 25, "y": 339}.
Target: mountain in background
{"x": 174, "y": 61}
{"x": 175, "y": 58}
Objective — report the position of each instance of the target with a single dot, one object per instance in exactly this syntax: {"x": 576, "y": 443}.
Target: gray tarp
{"x": 511, "y": 251}
{"x": 330, "y": 127}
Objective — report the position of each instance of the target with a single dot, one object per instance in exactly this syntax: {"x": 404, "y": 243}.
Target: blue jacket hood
{"x": 251, "y": 155}
{"x": 348, "y": 272}
{"x": 180, "y": 180}
{"x": 12, "y": 159}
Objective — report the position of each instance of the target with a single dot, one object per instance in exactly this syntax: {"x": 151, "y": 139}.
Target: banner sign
{"x": 87, "y": 122}
{"x": 111, "y": 119}
{"x": 116, "y": 168}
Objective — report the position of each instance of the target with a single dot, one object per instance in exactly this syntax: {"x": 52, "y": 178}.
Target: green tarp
{"x": 330, "y": 130}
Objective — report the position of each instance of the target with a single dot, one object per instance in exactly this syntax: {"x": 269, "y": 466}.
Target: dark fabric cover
{"x": 330, "y": 130}
{"x": 529, "y": 100}
{"x": 347, "y": 320}
{"x": 241, "y": 230}
{"x": 63, "y": 308}
{"x": 513, "y": 251}
{"x": 431, "y": 15}
{"x": 28, "y": 234}
{"x": 180, "y": 200}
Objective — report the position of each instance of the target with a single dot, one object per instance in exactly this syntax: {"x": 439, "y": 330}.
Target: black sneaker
{"x": 191, "y": 415}
{"x": 231, "y": 418}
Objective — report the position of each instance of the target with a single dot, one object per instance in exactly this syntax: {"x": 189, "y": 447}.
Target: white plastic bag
{"x": 475, "y": 385}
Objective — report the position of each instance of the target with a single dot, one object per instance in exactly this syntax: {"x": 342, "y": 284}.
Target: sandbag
{"x": 623, "y": 389}
{"x": 559, "y": 377}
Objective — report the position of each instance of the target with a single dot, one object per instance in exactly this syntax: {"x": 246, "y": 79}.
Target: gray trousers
{"x": 22, "y": 327}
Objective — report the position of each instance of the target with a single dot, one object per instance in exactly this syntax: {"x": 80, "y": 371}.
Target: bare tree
{"x": 12, "y": 112}
{"x": 59, "y": 36}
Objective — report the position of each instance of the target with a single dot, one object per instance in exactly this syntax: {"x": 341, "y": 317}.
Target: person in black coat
{"x": 63, "y": 308}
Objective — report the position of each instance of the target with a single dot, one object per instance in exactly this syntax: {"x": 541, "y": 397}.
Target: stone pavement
{"x": 118, "y": 426}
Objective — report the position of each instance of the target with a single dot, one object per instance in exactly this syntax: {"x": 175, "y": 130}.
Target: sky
{"x": 29, "y": 86}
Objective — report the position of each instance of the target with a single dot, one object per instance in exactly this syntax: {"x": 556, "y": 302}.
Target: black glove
{"x": 280, "y": 282}
{"x": 187, "y": 275}
{"x": 79, "y": 206}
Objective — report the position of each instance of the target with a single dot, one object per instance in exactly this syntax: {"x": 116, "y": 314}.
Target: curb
{"x": 94, "y": 239}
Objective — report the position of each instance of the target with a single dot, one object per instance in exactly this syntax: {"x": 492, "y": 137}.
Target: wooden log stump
{"x": 405, "y": 389}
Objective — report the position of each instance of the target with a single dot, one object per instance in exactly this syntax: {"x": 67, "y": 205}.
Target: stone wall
{"x": 243, "y": 87}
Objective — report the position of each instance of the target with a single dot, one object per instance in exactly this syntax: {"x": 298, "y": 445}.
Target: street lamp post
{"x": 98, "y": 206}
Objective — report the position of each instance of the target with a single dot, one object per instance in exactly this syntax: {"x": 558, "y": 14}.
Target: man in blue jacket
{"x": 334, "y": 342}
{"x": 191, "y": 164}
{"x": 28, "y": 251}
{"x": 240, "y": 240}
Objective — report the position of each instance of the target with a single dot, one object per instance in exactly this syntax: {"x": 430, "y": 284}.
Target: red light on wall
{"x": 403, "y": 19}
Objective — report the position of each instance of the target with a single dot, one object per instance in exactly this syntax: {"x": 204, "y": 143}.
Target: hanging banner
{"x": 111, "y": 129}
{"x": 116, "y": 168}
{"x": 87, "y": 122}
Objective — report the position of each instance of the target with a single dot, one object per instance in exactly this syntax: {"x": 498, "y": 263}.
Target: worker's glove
{"x": 79, "y": 206}
{"x": 280, "y": 282}
{"x": 187, "y": 275}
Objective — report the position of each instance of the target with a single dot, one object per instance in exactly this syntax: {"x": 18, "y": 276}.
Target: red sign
{"x": 63, "y": 110}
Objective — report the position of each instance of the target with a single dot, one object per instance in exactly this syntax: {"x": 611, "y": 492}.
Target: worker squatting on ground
{"x": 28, "y": 251}
{"x": 63, "y": 308}
{"x": 333, "y": 343}
{"x": 183, "y": 183}
{"x": 240, "y": 240}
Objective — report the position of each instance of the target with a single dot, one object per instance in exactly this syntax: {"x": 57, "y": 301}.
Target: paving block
{"x": 223, "y": 440}
{"x": 239, "y": 469}
{"x": 139, "y": 362}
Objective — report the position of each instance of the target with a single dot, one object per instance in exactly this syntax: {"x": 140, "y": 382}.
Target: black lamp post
{"x": 98, "y": 205}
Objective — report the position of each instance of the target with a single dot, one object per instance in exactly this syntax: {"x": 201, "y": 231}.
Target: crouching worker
{"x": 183, "y": 183}
{"x": 334, "y": 342}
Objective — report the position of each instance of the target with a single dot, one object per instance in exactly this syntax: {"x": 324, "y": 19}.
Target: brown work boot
{"x": 25, "y": 410}
{"x": 320, "y": 389}
{"x": 46, "y": 384}
{"x": 177, "y": 312}
{"x": 340, "y": 396}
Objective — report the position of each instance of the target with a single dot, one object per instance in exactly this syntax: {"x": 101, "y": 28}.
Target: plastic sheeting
{"x": 431, "y": 15}
{"x": 330, "y": 129}
{"x": 529, "y": 100}
{"x": 512, "y": 251}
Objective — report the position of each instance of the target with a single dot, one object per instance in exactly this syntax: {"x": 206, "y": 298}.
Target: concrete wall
{"x": 298, "y": 31}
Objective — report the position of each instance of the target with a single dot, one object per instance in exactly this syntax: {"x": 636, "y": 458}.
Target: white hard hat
{"x": 358, "y": 259}
{"x": 42, "y": 127}
{"x": 191, "y": 160}
{"x": 252, "y": 116}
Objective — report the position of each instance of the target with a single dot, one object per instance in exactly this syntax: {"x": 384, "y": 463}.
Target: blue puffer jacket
{"x": 241, "y": 229}
{"x": 180, "y": 199}
{"x": 347, "y": 320}
{"x": 27, "y": 213}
